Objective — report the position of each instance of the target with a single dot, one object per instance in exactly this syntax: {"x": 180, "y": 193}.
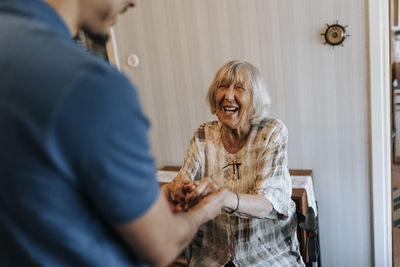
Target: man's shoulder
{"x": 52, "y": 69}
{"x": 44, "y": 49}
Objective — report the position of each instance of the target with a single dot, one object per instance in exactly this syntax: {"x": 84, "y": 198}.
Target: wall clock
{"x": 335, "y": 34}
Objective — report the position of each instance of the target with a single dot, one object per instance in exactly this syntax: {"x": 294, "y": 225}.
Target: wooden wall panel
{"x": 319, "y": 92}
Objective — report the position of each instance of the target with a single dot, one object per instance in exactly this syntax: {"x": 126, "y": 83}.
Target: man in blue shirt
{"x": 77, "y": 182}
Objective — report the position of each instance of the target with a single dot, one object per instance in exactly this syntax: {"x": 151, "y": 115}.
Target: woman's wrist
{"x": 232, "y": 202}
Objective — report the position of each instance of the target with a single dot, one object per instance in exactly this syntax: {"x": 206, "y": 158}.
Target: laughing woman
{"x": 245, "y": 152}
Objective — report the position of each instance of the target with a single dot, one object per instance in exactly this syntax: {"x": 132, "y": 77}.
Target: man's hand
{"x": 209, "y": 206}
{"x": 198, "y": 191}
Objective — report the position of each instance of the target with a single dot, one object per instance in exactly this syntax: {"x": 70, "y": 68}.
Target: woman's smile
{"x": 229, "y": 109}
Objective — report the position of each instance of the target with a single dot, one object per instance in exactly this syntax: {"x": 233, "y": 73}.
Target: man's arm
{"x": 160, "y": 235}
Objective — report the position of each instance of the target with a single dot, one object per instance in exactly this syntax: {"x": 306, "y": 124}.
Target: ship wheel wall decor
{"x": 335, "y": 34}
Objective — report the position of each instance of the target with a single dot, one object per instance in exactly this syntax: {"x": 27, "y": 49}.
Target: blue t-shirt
{"x": 74, "y": 153}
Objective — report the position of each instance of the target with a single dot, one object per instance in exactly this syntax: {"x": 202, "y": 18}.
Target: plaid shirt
{"x": 247, "y": 241}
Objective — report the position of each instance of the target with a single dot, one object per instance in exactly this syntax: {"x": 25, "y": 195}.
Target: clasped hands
{"x": 182, "y": 194}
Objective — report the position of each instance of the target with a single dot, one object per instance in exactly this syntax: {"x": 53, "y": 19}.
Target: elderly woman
{"x": 245, "y": 152}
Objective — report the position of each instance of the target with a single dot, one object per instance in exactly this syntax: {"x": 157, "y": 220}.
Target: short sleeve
{"x": 272, "y": 175}
{"x": 99, "y": 136}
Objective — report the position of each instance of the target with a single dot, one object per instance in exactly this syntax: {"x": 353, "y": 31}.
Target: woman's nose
{"x": 230, "y": 93}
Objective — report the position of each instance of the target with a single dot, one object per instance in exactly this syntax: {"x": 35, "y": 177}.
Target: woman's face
{"x": 233, "y": 102}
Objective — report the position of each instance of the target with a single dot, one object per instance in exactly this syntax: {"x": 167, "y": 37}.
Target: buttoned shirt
{"x": 246, "y": 240}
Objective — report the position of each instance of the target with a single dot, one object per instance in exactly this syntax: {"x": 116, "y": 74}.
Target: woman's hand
{"x": 182, "y": 194}
{"x": 199, "y": 190}
{"x": 175, "y": 192}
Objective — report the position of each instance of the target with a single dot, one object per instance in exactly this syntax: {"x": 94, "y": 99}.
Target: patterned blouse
{"x": 245, "y": 240}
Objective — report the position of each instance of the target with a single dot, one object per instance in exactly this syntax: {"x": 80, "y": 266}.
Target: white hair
{"x": 261, "y": 100}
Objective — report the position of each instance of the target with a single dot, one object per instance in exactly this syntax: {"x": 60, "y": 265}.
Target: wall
{"x": 319, "y": 92}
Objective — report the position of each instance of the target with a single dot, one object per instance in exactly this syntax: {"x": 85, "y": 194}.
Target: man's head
{"x": 97, "y": 16}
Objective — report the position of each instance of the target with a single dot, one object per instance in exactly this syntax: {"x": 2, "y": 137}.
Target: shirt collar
{"x": 38, "y": 10}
